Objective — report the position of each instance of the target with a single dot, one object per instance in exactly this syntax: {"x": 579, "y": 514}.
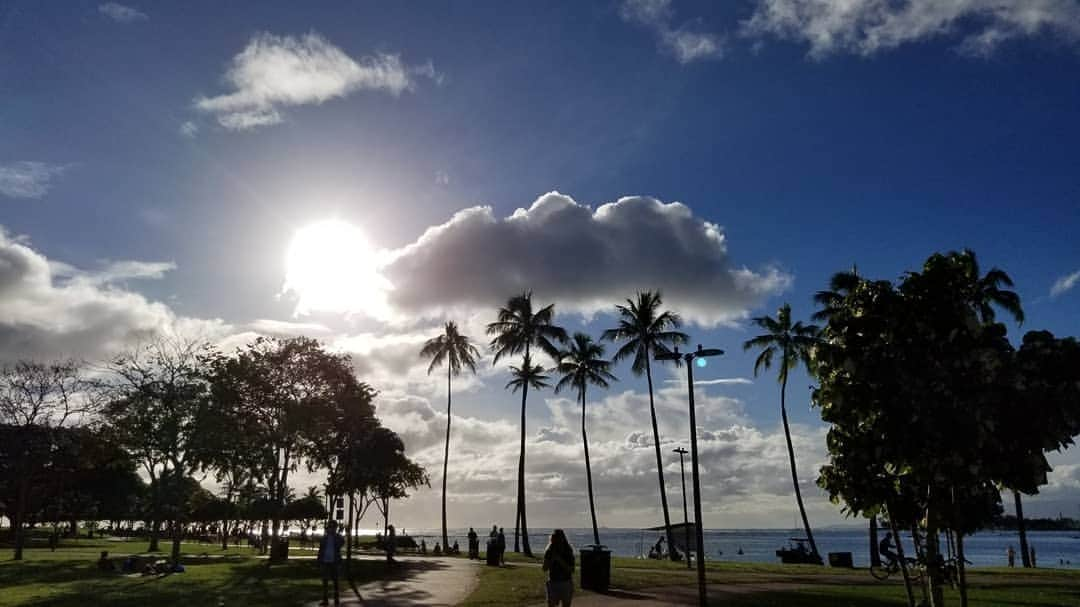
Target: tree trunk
{"x": 155, "y": 531}
{"x": 224, "y": 535}
{"x": 791, "y": 459}
{"x": 660, "y": 462}
{"x": 524, "y": 531}
{"x": 1021, "y": 528}
{"x": 18, "y": 520}
{"x": 348, "y": 530}
{"x": 903, "y": 561}
{"x": 875, "y": 555}
{"x": 177, "y": 533}
{"x": 933, "y": 556}
{"x": 446, "y": 454}
{"x": 588, "y": 471}
{"x": 961, "y": 569}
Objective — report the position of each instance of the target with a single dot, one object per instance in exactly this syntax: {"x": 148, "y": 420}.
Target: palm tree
{"x": 517, "y": 329}
{"x": 794, "y": 343}
{"x": 454, "y": 349}
{"x": 840, "y": 285}
{"x": 582, "y": 364}
{"x": 646, "y": 329}
{"x": 524, "y": 377}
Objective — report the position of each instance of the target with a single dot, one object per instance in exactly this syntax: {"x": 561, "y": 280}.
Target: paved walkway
{"x": 434, "y": 581}
{"x": 671, "y": 595}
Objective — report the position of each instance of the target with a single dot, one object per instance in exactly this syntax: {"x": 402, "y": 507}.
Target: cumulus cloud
{"x": 274, "y": 72}
{"x": 866, "y": 27}
{"x": 50, "y": 309}
{"x": 1064, "y": 284}
{"x": 120, "y": 13}
{"x": 27, "y": 178}
{"x": 585, "y": 260}
{"x": 686, "y": 44}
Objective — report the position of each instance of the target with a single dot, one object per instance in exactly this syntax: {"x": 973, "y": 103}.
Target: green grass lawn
{"x": 69, "y": 577}
{"x": 746, "y": 584}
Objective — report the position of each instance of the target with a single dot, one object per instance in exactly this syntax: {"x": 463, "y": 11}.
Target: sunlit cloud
{"x": 1065, "y": 284}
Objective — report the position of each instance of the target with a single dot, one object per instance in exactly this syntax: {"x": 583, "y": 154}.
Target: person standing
{"x": 1011, "y": 555}
{"x": 559, "y": 565}
{"x": 501, "y": 545}
{"x": 474, "y": 544}
{"x": 391, "y": 543}
{"x": 1033, "y": 556}
{"x": 329, "y": 559}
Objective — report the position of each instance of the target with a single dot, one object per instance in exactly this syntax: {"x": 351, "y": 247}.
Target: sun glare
{"x": 331, "y": 267}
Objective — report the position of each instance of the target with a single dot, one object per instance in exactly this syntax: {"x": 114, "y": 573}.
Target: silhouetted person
{"x": 1032, "y": 556}
{"x": 329, "y": 558}
{"x": 1010, "y": 554}
{"x": 474, "y": 544}
{"x": 391, "y": 543}
{"x": 104, "y": 564}
{"x": 455, "y": 549}
{"x": 501, "y": 546}
{"x": 885, "y": 547}
{"x": 438, "y": 550}
{"x": 559, "y": 565}
{"x": 423, "y": 547}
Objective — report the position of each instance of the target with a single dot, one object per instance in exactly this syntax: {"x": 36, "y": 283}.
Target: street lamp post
{"x": 700, "y": 355}
{"x": 686, "y": 520}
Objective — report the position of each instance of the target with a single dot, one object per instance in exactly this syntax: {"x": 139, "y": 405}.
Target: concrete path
{"x": 434, "y": 581}
{"x": 671, "y": 595}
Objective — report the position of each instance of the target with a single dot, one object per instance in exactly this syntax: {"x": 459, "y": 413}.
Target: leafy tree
{"x": 645, "y": 330}
{"x": 280, "y": 389}
{"x": 159, "y": 412}
{"x": 792, "y": 344}
{"x": 582, "y": 364}
{"x": 455, "y": 351}
{"x": 516, "y": 330}
{"x": 35, "y": 399}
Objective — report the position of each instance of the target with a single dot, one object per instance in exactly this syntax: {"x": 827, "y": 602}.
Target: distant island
{"x": 1037, "y": 524}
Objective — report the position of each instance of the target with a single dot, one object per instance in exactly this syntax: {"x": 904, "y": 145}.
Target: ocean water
{"x": 987, "y": 548}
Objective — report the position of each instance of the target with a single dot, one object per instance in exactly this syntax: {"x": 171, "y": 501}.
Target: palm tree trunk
{"x": 1025, "y": 555}
{"x": 875, "y": 555}
{"x": 524, "y": 530}
{"x": 961, "y": 569}
{"x": 791, "y": 458}
{"x": 659, "y": 461}
{"x": 446, "y": 454}
{"x": 588, "y": 471}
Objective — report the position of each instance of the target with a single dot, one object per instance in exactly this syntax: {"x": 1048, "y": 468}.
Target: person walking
{"x": 559, "y": 565}
{"x": 329, "y": 559}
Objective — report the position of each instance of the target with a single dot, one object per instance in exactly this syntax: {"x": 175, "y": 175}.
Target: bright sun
{"x": 331, "y": 267}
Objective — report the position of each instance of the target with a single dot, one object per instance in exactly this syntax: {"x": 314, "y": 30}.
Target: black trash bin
{"x": 280, "y": 551}
{"x": 595, "y": 568}
{"x": 493, "y": 553}
{"x": 841, "y": 559}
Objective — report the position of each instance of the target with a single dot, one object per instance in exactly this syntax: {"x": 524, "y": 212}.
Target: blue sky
{"x": 812, "y": 138}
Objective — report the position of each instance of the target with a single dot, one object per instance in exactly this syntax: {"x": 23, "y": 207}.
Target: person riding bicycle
{"x": 885, "y": 548}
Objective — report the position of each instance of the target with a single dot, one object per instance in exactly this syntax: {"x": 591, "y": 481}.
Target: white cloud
{"x": 50, "y": 309}
{"x": 274, "y": 72}
{"x": 189, "y": 129}
{"x": 120, "y": 13}
{"x": 723, "y": 381}
{"x": 584, "y": 260}
{"x": 683, "y": 42}
{"x": 1065, "y": 284}
{"x": 27, "y": 179}
{"x": 869, "y": 26}
{"x": 286, "y": 328}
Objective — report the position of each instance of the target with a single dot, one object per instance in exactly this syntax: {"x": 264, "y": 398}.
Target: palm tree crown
{"x": 645, "y": 330}
{"x": 794, "y": 343}
{"x": 518, "y": 327}
{"x": 583, "y": 363}
{"x": 527, "y": 375}
{"x": 451, "y": 348}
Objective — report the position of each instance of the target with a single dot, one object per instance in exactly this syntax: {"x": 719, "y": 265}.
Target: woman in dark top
{"x": 559, "y": 563}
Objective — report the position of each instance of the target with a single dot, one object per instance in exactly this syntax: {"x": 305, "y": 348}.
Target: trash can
{"x": 595, "y": 568}
{"x": 492, "y": 553}
{"x": 841, "y": 559}
{"x": 279, "y": 551}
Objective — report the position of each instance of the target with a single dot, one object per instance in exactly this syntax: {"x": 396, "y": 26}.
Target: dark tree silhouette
{"x": 457, "y": 352}
{"x": 517, "y": 329}
{"x": 645, "y": 330}
{"x": 792, "y": 343}
{"x": 582, "y": 364}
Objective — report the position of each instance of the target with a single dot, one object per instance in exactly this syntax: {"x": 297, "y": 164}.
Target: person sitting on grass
{"x": 329, "y": 559}
{"x": 559, "y": 563}
{"x": 104, "y": 564}
{"x": 438, "y": 550}
{"x": 455, "y": 549}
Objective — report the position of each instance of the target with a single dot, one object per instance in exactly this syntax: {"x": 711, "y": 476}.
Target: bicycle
{"x": 884, "y": 571}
